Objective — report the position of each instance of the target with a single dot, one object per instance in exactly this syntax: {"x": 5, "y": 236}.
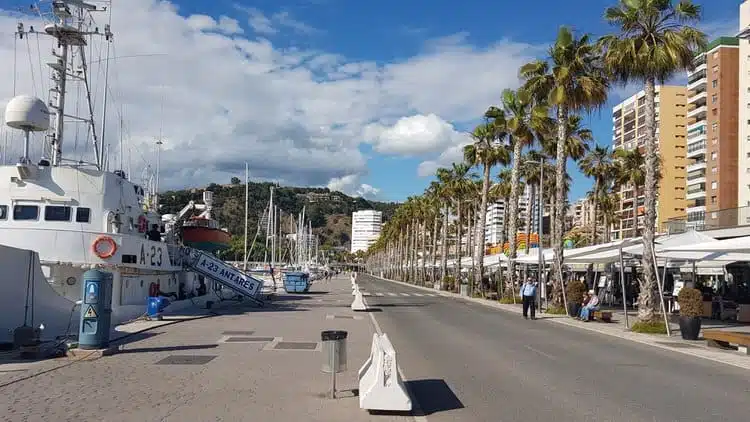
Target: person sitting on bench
{"x": 591, "y": 306}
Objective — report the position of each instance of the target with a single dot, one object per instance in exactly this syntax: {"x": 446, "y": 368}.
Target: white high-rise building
{"x": 743, "y": 153}
{"x": 365, "y": 229}
{"x": 493, "y": 232}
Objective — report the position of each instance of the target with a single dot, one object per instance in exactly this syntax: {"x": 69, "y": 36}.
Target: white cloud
{"x": 350, "y": 185}
{"x": 270, "y": 25}
{"x": 221, "y": 98}
{"x": 454, "y": 154}
{"x": 411, "y": 135}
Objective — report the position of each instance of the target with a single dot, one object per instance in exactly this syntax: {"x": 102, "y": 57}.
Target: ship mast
{"x": 70, "y": 19}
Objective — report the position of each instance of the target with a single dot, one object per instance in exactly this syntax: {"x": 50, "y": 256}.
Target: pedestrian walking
{"x": 528, "y": 294}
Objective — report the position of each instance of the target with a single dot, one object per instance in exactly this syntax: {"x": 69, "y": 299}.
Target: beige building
{"x": 712, "y": 146}
{"x": 582, "y": 212}
{"x": 629, "y": 133}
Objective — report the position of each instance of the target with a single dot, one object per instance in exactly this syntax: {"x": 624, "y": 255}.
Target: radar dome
{"x": 27, "y": 113}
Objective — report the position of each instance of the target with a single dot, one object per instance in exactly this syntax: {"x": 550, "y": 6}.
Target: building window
{"x": 55, "y": 213}
{"x": 714, "y": 184}
{"x": 714, "y": 83}
{"x": 83, "y": 215}
{"x": 25, "y": 212}
{"x": 713, "y": 170}
{"x": 713, "y": 155}
{"x": 3, "y": 212}
{"x": 716, "y": 68}
{"x": 715, "y": 111}
{"x": 715, "y": 126}
{"x": 714, "y": 141}
{"x": 714, "y": 98}
{"x": 713, "y": 199}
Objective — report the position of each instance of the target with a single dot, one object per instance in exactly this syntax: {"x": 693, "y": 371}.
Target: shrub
{"x": 575, "y": 291}
{"x": 556, "y": 310}
{"x": 650, "y": 327}
{"x": 509, "y": 300}
{"x": 691, "y": 302}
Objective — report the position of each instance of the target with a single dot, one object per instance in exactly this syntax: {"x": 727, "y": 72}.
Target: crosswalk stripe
{"x": 391, "y": 294}
{"x": 431, "y": 295}
{"x": 418, "y": 294}
{"x": 378, "y": 294}
{"x": 404, "y": 294}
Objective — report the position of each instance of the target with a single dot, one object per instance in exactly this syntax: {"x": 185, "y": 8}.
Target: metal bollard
{"x": 334, "y": 355}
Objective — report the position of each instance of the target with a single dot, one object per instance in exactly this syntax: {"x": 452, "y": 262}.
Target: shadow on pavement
{"x": 428, "y": 396}
{"x": 168, "y": 348}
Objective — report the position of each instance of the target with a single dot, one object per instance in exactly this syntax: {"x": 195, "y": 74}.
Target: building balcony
{"x": 697, "y": 194}
{"x": 698, "y": 82}
{"x": 700, "y": 68}
{"x": 699, "y": 179}
{"x": 696, "y": 166}
{"x": 698, "y": 113}
{"x": 699, "y": 98}
{"x": 694, "y": 210}
{"x": 695, "y": 126}
{"x": 696, "y": 148}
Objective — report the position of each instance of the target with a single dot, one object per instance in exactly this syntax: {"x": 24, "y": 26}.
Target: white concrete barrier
{"x": 355, "y": 290}
{"x": 380, "y": 385}
{"x": 359, "y": 303}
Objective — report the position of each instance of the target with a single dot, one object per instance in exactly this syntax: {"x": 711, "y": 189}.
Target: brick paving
{"x": 239, "y": 382}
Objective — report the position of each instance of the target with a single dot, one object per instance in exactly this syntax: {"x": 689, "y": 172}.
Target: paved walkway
{"x": 245, "y": 364}
{"x": 675, "y": 343}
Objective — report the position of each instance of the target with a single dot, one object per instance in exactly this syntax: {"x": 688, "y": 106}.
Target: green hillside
{"x": 329, "y": 212}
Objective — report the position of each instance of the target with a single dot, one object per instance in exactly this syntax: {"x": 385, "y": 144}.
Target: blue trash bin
{"x": 155, "y": 306}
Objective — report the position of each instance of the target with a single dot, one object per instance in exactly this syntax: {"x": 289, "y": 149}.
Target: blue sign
{"x": 92, "y": 292}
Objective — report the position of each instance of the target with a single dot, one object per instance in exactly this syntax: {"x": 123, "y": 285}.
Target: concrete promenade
{"x": 245, "y": 364}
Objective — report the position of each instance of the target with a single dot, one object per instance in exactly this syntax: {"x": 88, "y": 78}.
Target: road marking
{"x": 378, "y": 294}
{"x": 404, "y": 294}
{"x": 391, "y": 294}
{"x": 416, "y": 408}
{"x": 431, "y": 295}
{"x": 547, "y": 355}
{"x": 418, "y": 294}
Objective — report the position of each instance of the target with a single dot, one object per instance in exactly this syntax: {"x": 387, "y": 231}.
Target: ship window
{"x": 3, "y": 212}
{"x": 83, "y": 215}
{"x": 56, "y": 213}
{"x": 25, "y": 212}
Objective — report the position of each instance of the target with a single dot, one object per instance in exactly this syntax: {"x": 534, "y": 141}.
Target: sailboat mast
{"x": 244, "y": 264}
{"x": 272, "y": 223}
{"x": 108, "y": 36}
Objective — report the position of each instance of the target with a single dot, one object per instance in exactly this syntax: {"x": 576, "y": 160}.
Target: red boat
{"x": 205, "y": 234}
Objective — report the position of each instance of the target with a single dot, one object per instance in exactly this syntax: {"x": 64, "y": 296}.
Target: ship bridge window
{"x": 83, "y": 215}
{"x": 25, "y": 212}
{"x": 56, "y": 213}
{"x": 3, "y": 212}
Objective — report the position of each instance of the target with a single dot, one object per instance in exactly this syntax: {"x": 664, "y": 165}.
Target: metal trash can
{"x": 334, "y": 350}
{"x": 334, "y": 355}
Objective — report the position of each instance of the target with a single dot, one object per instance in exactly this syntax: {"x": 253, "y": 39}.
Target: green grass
{"x": 650, "y": 327}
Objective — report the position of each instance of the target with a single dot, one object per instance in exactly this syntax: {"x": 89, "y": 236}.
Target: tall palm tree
{"x": 655, "y": 40}
{"x": 530, "y": 172}
{"x": 598, "y": 165}
{"x": 571, "y": 81}
{"x": 525, "y": 121}
{"x": 487, "y": 151}
{"x": 630, "y": 171}
{"x": 460, "y": 190}
{"x": 444, "y": 176}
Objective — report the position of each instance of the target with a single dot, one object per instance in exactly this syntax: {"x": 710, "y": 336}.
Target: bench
{"x": 728, "y": 340}
{"x": 603, "y": 316}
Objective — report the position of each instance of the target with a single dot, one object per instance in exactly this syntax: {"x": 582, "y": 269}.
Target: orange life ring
{"x": 142, "y": 224}
{"x": 106, "y": 252}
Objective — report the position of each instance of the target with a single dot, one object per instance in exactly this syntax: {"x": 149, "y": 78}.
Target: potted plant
{"x": 575, "y": 291}
{"x": 691, "y": 309}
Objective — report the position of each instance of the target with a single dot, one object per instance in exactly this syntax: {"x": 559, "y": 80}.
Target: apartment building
{"x": 493, "y": 232}
{"x": 582, "y": 212}
{"x": 743, "y": 106}
{"x": 629, "y": 132}
{"x": 366, "y": 227}
{"x": 712, "y": 145}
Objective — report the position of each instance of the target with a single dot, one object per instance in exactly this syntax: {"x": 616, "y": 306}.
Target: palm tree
{"x": 597, "y": 164}
{"x": 630, "y": 170}
{"x": 525, "y": 121}
{"x": 444, "y": 177}
{"x": 656, "y": 39}
{"x": 501, "y": 190}
{"x": 459, "y": 188}
{"x": 571, "y": 80}
{"x": 531, "y": 174}
{"x": 487, "y": 150}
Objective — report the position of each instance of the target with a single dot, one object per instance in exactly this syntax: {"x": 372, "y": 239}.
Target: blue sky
{"x": 329, "y": 92}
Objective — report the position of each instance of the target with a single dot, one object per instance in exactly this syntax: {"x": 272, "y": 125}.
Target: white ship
{"x": 77, "y": 216}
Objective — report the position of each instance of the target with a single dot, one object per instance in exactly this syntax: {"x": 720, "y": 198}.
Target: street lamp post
{"x": 540, "y": 224}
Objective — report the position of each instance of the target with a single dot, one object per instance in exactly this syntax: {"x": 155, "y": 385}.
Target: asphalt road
{"x": 466, "y": 362}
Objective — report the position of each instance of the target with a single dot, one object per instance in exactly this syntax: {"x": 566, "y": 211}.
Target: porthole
{"x": 70, "y": 281}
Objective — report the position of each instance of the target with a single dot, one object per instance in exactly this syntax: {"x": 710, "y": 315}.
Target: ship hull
{"x": 205, "y": 238}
